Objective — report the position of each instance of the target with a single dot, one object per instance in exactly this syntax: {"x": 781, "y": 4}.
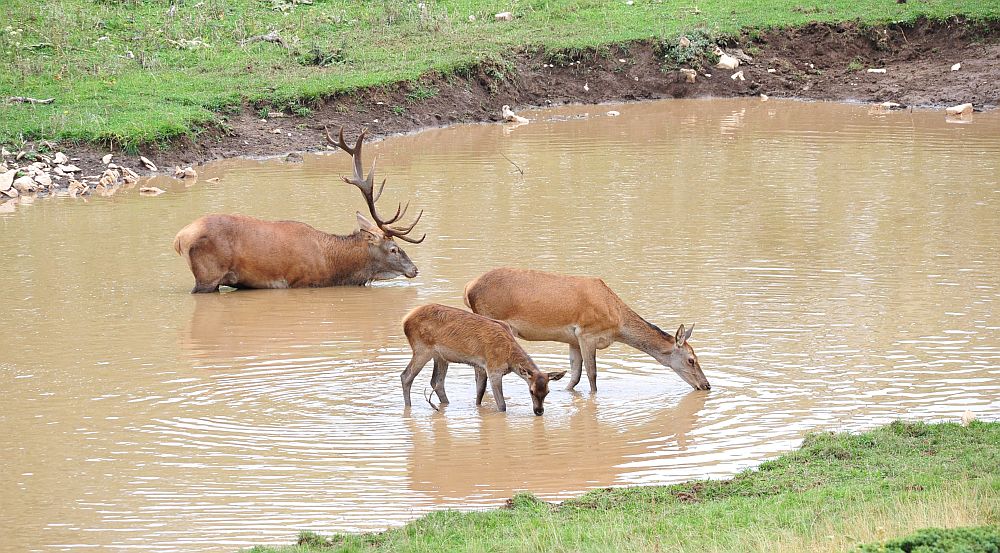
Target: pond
{"x": 841, "y": 266}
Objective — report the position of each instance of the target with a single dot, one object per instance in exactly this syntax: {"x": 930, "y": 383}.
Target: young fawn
{"x": 449, "y": 335}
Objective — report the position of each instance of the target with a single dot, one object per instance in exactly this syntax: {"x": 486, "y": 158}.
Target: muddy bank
{"x": 817, "y": 62}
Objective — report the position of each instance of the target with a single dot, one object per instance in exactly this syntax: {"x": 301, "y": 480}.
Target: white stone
{"x": 725, "y": 60}
{"x": 25, "y": 184}
{"x": 7, "y": 179}
{"x": 960, "y": 109}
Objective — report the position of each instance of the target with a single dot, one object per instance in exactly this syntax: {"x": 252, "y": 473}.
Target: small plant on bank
{"x": 398, "y": 110}
{"x": 855, "y": 65}
{"x": 421, "y": 92}
{"x": 321, "y": 56}
{"x": 697, "y": 50}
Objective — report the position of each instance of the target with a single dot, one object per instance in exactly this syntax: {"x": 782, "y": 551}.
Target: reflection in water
{"x": 842, "y": 269}
{"x": 255, "y": 323}
{"x": 500, "y": 455}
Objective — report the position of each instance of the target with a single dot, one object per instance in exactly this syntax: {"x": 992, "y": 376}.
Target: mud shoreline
{"x": 814, "y": 62}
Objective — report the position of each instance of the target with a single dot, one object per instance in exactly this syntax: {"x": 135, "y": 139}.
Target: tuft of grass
{"x": 837, "y": 492}
{"x": 983, "y": 539}
{"x": 700, "y": 51}
{"x": 421, "y": 92}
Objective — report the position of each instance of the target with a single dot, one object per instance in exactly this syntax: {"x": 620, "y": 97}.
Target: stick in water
{"x": 427, "y": 396}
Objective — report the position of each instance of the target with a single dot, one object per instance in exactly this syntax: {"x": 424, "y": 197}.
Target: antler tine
{"x": 400, "y": 212}
{"x": 411, "y": 240}
{"x": 378, "y": 194}
{"x": 400, "y": 231}
{"x": 341, "y": 144}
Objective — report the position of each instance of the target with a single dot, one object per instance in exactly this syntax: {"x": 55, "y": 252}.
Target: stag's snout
{"x": 539, "y": 411}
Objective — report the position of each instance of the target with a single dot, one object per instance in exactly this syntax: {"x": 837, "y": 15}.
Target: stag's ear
{"x": 680, "y": 337}
{"x": 556, "y": 375}
{"x": 370, "y": 229}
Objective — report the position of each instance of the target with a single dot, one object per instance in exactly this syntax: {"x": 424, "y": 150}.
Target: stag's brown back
{"x": 237, "y": 250}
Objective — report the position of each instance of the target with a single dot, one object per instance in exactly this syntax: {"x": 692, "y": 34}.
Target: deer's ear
{"x": 370, "y": 229}
{"x": 556, "y": 375}
{"x": 687, "y": 335}
{"x": 680, "y": 337}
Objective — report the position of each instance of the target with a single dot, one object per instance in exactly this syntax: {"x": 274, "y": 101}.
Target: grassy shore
{"x": 141, "y": 71}
{"x": 835, "y": 493}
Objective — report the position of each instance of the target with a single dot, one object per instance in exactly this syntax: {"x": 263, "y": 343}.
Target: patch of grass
{"x": 836, "y": 492}
{"x": 133, "y": 72}
{"x": 421, "y": 92}
{"x": 856, "y": 65}
{"x": 983, "y": 539}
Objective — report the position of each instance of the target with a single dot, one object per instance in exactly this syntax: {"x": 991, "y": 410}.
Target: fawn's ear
{"x": 556, "y": 375}
{"x": 679, "y": 338}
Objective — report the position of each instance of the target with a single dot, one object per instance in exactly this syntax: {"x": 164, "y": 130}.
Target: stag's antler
{"x": 367, "y": 187}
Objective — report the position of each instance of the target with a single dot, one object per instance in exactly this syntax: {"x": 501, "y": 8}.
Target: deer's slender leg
{"x": 497, "y": 384}
{"x": 437, "y": 378}
{"x": 589, "y": 353}
{"x": 575, "y": 366}
{"x": 480, "y": 385}
{"x": 420, "y": 358}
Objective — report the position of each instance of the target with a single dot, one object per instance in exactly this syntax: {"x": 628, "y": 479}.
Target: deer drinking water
{"x": 450, "y": 335}
{"x": 582, "y": 312}
{"x": 245, "y": 252}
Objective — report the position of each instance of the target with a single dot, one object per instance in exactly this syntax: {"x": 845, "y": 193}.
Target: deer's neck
{"x": 349, "y": 260}
{"x": 642, "y": 334}
{"x": 523, "y": 366}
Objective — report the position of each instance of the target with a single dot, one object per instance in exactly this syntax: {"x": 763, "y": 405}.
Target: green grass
{"x": 835, "y": 493}
{"x": 126, "y": 71}
{"x": 984, "y": 539}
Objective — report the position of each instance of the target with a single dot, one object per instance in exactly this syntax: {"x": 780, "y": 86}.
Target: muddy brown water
{"x": 841, "y": 266}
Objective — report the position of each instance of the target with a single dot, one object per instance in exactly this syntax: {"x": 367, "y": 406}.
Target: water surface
{"x": 841, "y": 267}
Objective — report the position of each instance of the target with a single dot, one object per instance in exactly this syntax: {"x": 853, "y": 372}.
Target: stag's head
{"x": 538, "y": 385}
{"x": 682, "y": 359}
{"x": 389, "y": 259}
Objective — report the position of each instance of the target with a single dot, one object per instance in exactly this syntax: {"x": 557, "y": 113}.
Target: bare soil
{"x": 816, "y": 62}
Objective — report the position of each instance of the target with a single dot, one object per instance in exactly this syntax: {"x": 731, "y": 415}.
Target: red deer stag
{"x": 582, "y": 312}
{"x": 449, "y": 335}
{"x": 244, "y": 252}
